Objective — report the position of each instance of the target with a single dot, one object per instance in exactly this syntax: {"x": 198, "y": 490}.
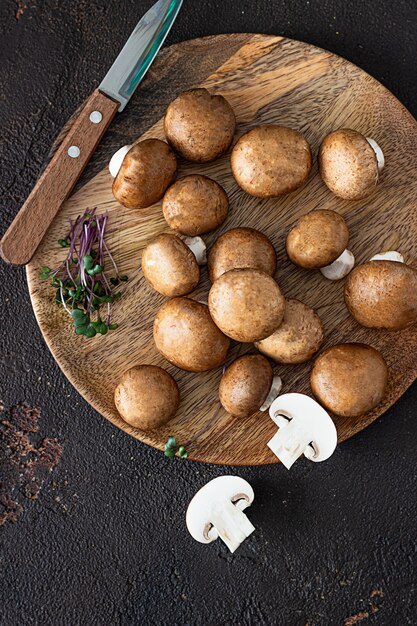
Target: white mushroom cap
{"x": 390, "y": 255}
{"x": 304, "y": 428}
{"x": 216, "y": 511}
{"x": 117, "y": 160}
{"x": 198, "y": 248}
{"x": 378, "y": 152}
{"x": 340, "y": 267}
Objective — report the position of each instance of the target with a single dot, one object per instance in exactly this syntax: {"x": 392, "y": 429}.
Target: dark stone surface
{"x": 105, "y": 543}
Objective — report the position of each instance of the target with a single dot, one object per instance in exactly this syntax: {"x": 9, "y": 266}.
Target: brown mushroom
{"x": 241, "y": 248}
{"x": 200, "y": 126}
{"x": 349, "y": 379}
{"x": 169, "y": 266}
{"x": 298, "y": 337}
{"x": 245, "y": 385}
{"x": 246, "y": 304}
{"x": 318, "y": 240}
{"x": 147, "y": 170}
{"x": 195, "y": 205}
{"x": 350, "y": 163}
{"x": 382, "y": 294}
{"x": 147, "y": 397}
{"x": 271, "y": 160}
{"x": 185, "y": 335}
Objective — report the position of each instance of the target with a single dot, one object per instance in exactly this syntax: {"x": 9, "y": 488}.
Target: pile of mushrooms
{"x": 245, "y": 302}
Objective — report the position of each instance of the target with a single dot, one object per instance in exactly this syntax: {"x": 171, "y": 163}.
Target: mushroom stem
{"x": 117, "y": 160}
{"x": 340, "y": 267}
{"x": 289, "y": 443}
{"x": 198, "y": 248}
{"x": 230, "y": 524}
{"x": 390, "y": 255}
{"x": 378, "y": 152}
{"x": 274, "y": 392}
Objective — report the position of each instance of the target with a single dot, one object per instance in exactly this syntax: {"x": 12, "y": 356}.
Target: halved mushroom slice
{"x": 147, "y": 397}
{"x": 247, "y": 305}
{"x": 382, "y": 294}
{"x": 349, "y": 379}
{"x": 298, "y": 337}
{"x": 318, "y": 241}
{"x": 241, "y": 248}
{"x": 217, "y": 511}
{"x": 304, "y": 428}
{"x": 248, "y": 385}
{"x": 170, "y": 265}
{"x": 271, "y": 160}
{"x": 185, "y": 335}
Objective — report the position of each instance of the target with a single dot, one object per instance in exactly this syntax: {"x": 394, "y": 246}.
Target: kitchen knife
{"x": 55, "y": 184}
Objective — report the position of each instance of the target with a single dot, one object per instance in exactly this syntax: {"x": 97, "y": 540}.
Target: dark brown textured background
{"x": 105, "y": 541}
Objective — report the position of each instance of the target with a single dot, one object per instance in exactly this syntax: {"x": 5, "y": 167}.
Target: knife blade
{"x": 28, "y": 228}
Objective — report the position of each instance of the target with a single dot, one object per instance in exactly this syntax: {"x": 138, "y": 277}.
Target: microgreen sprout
{"x": 171, "y": 448}
{"x": 81, "y": 284}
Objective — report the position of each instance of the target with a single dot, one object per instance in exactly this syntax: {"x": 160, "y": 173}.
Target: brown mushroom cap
{"x": 199, "y": 126}
{"x": 246, "y": 304}
{"x": 271, "y": 160}
{"x": 245, "y": 385}
{"x": 317, "y": 239}
{"x": 241, "y": 248}
{"x": 195, "y": 205}
{"x": 169, "y": 266}
{"x": 349, "y": 379}
{"x": 185, "y": 335}
{"x": 348, "y": 164}
{"x": 147, "y": 397}
{"x": 382, "y": 294}
{"x": 147, "y": 170}
{"x": 298, "y": 337}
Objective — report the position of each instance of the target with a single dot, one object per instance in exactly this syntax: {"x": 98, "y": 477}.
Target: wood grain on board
{"x": 267, "y": 80}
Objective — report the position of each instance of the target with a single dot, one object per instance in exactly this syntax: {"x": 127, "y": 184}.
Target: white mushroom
{"x": 390, "y": 255}
{"x": 340, "y": 267}
{"x": 304, "y": 428}
{"x": 117, "y": 160}
{"x": 216, "y": 511}
{"x": 378, "y": 152}
{"x": 198, "y": 248}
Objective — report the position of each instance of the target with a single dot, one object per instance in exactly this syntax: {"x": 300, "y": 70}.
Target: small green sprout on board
{"x": 82, "y": 286}
{"x": 172, "y": 448}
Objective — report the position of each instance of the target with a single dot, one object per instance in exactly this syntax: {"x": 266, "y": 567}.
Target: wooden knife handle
{"x": 55, "y": 184}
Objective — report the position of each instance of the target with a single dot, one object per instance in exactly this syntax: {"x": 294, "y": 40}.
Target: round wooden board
{"x": 267, "y": 80}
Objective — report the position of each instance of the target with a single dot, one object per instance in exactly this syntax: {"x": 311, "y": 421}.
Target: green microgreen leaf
{"x": 64, "y": 243}
{"x": 88, "y": 262}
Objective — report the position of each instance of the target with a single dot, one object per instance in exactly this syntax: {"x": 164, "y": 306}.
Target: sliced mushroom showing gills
{"x": 248, "y": 385}
{"x": 319, "y": 241}
{"x": 304, "y": 428}
{"x": 350, "y": 163}
{"x": 171, "y": 265}
{"x": 217, "y": 511}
